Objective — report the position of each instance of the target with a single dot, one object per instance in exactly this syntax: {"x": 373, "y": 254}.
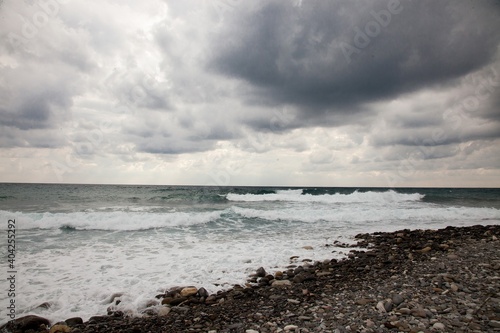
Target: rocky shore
{"x": 445, "y": 280}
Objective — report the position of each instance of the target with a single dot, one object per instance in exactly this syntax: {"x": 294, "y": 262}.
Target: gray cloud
{"x": 351, "y": 87}
{"x": 295, "y": 54}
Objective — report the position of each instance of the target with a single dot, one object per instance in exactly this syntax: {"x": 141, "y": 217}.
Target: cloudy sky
{"x": 232, "y": 92}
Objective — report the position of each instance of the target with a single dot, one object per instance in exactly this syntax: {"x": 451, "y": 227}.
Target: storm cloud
{"x": 264, "y": 92}
{"x": 332, "y": 56}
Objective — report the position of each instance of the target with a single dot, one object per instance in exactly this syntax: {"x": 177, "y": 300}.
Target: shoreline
{"x": 408, "y": 280}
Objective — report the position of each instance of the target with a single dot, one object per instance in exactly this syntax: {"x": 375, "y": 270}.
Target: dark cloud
{"x": 304, "y": 55}
{"x": 33, "y": 99}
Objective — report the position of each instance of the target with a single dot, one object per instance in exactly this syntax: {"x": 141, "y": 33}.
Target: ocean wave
{"x": 355, "y": 197}
{"x": 347, "y": 216}
{"x": 110, "y": 221}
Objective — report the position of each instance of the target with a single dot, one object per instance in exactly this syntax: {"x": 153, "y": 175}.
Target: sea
{"x": 79, "y": 246}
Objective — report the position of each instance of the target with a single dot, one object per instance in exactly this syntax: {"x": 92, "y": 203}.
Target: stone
{"x": 291, "y": 327}
{"x": 60, "y": 329}
{"x": 452, "y": 256}
{"x": 388, "y": 305}
{"x": 494, "y": 323}
{"x": 397, "y": 299}
{"x": 380, "y": 307}
{"x": 202, "y": 292}
{"x": 173, "y": 301}
{"x": 304, "y": 276}
{"x": 281, "y": 283}
{"x": 369, "y": 323}
{"x": 438, "y": 326}
{"x": 74, "y": 321}
{"x": 97, "y": 319}
{"x": 419, "y": 313}
{"x": 251, "y": 331}
{"x": 364, "y": 301}
{"x": 163, "y": 311}
{"x": 426, "y": 249}
{"x": 188, "y": 291}
{"x": 30, "y": 322}
{"x": 261, "y": 272}
{"x": 307, "y": 247}
{"x": 278, "y": 275}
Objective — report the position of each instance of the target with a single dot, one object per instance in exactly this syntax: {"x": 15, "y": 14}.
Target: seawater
{"x": 77, "y": 245}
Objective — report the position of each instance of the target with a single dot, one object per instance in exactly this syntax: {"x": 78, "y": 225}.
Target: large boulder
{"x": 30, "y": 322}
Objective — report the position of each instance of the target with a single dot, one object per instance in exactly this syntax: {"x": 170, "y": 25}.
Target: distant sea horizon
{"x": 79, "y": 244}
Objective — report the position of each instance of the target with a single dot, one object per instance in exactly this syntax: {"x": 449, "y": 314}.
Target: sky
{"x": 229, "y": 92}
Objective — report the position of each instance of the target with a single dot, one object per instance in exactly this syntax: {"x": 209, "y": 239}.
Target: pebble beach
{"x": 444, "y": 280}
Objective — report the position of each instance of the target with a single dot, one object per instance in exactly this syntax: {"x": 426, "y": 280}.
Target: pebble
{"x": 397, "y": 299}
{"x": 439, "y": 326}
{"x": 188, "y": 291}
{"x": 281, "y": 283}
{"x": 60, "y": 329}
{"x": 421, "y": 295}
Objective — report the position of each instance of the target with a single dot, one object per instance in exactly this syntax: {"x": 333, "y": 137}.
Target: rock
{"x": 380, "y": 307}
{"x": 261, "y": 272}
{"x": 97, "y": 319}
{"x": 419, "y": 313}
{"x": 291, "y": 327}
{"x": 388, "y": 306}
{"x": 454, "y": 287}
{"x": 452, "y": 256}
{"x": 281, "y": 283}
{"x": 494, "y": 323}
{"x": 426, "y": 249}
{"x": 304, "y": 276}
{"x": 364, "y": 301}
{"x": 251, "y": 331}
{"x": 163, "y": 311}
{"x": 173, "y": 301}
{"x": 307, "y": 247}
{"x": 30, "y": 322}
{"x": 60, "y": 329}
{"x": 278, "y": 275}
{"x": 439, "y": 326}
{"x": 74, "y": 321}
{"x": 404, "y": 311}
{"x": 369, "y": 323}
{"x": 202, "y": 292}
{"x": 188, "y": 291}
{"x": 397, "y": 299}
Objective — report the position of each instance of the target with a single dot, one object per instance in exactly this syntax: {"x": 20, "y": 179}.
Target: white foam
{"x": 363, "y": 215}
{"x": 355, "y": 197}
{"x": 116, "y": 220}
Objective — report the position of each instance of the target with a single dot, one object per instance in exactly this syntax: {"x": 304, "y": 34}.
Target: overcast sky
{"x": 227, "y": 92}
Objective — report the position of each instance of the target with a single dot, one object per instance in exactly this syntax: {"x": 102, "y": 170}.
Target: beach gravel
{"x": 427, "y": 281}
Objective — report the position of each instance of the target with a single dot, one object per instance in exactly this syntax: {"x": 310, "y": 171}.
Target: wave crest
{"x": 113, "y": 221}
{"x": 355, "y": 197}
